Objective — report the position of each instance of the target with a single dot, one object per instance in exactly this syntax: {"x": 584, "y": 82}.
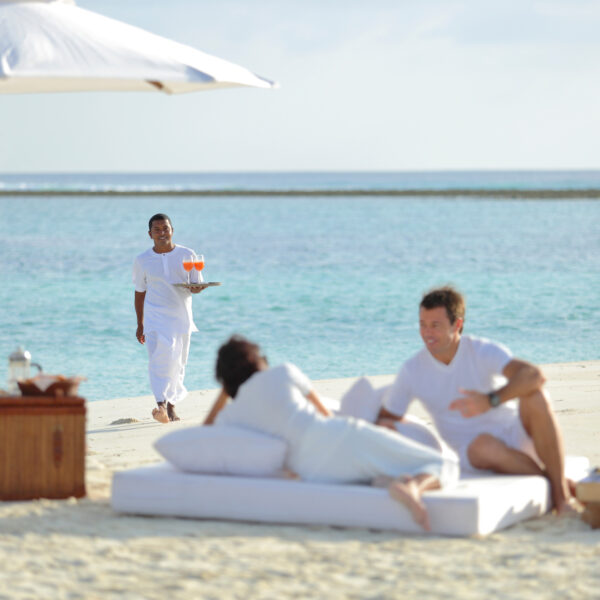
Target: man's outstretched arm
{"x": 523, "y": 379}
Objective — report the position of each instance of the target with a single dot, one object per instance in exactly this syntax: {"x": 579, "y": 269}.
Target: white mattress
{"x": 476, "y": 506}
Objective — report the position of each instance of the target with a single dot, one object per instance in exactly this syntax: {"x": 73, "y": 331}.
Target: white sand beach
{"x": 82, "y": 549}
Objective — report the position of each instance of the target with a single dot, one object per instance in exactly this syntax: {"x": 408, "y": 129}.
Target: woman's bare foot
{"x": 160, "y": 413}
{"x": 171, "y": 412}
{"x": 407, "y": 491}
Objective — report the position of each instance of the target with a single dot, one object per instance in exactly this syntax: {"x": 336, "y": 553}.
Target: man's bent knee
{"x": 483, "y": 451}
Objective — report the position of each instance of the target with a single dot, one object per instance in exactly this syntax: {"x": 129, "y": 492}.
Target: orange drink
{"x": 188, "y": 265}
{"x": 199, "y": 263}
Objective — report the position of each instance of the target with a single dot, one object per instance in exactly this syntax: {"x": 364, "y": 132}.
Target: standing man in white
{"x": 507, "y": 426}
{"x": 164, "y": 314}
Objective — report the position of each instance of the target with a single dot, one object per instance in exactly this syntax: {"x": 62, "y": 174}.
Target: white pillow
{"x": 362, "y": 401}
{"x": 223, "y": 449}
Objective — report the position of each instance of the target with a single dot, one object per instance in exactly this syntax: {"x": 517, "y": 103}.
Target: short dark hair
{"x": 158, "y": 217}
{"x": 446, "y": 297}
{"x": 237, "y": 360}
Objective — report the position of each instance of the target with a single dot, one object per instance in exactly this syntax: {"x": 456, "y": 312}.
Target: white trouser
{"x": 166, "y": 366}
{"x": 347, "y": 450}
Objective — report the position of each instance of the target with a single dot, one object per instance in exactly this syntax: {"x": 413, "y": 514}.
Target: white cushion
{"x": 223, "y": 449}
{"x": 476, "y": 506}
{"x": 361, "y": 401}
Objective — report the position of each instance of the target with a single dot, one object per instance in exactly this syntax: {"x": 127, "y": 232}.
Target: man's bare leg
{"x": 160, "y": 413}
{"x": 408, "y": 491}
{"x": 488, "y": 452}
{"x": 540, "y": 423}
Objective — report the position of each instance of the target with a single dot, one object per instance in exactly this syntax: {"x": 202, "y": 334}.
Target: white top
{"x": 477, "y": 365}
{"x": 167, "y": 309}
{"x": 273, "y": 401}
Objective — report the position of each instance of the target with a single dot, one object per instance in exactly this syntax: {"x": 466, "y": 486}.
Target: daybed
{"x": 224, "y": 472}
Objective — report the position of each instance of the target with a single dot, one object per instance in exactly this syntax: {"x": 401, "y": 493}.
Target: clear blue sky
{"x": 380, "y": 85}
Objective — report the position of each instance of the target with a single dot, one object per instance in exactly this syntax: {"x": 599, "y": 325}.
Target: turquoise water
{"x": 331, "y": 284}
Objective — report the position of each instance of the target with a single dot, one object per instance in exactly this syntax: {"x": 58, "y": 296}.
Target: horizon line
{"x": 522, "y": 193}
{"x": 323, "y": 171}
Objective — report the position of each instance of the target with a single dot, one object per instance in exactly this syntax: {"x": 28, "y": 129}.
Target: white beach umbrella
{"x": 55, "y": 46}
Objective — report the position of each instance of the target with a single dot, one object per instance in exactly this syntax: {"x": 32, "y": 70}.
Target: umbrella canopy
{"x": 55, "y": 46}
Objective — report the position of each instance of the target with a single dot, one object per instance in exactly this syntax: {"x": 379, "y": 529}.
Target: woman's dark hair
{"x": 237, "y": 360}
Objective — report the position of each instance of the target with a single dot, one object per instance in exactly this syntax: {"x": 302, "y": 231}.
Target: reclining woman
{"x": 281, "y": 401}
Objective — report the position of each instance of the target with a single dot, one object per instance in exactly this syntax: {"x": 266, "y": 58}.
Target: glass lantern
{"x": 19, "y": 366}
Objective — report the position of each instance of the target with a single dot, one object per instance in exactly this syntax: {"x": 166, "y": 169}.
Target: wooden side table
{"x": 42, "y": 447}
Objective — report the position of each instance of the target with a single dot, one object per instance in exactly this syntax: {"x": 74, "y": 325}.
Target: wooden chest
{"x": 42, "y": 447}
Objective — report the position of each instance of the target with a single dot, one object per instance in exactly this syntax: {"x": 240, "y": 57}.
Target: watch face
{"x": 494, "y": 399}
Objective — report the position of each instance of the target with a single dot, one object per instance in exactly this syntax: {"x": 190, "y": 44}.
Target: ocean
{"x": 329, "y": 278}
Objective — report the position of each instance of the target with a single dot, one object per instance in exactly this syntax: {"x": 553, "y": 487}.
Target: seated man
{"x": 454, "y": 377}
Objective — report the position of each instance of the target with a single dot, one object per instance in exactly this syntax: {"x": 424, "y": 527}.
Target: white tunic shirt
{"x": 273, "y": 401}
{"x": 477, "y": 365}
{"x": 167, "y": 309}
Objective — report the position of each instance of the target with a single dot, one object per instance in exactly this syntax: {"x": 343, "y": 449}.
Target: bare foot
{"x": 160, "y": 413}
{"x": 171, "y": 412}
{"x": 407, "y": 492}
{"x": 569, "y": 508}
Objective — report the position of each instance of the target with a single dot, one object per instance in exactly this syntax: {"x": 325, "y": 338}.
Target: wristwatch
{"x": 494, "y": 399}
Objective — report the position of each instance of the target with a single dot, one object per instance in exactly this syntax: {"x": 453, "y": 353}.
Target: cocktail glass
{"x": 199, "y": 262}
{"x": 188, "y": 265}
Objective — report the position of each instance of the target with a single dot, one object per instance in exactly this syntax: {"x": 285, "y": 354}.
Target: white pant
{"x": 347, "y": 450}
{"x": 166, "y": 366}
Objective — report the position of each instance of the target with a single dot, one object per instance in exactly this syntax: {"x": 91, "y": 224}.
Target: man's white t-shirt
{"x": 477, "y": 365}
{"x": 167, "y": 309}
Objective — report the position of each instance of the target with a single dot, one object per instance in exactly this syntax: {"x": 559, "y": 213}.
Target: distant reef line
{"x": 450, "y": 193}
